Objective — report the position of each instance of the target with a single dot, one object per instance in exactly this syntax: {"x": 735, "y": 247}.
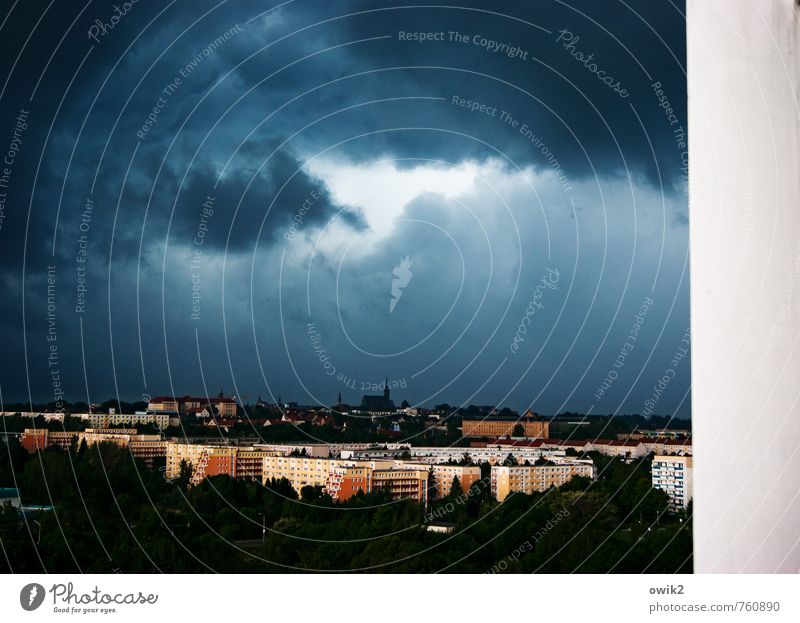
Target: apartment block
{"x": 665, "y": 445}
{"x": 146, "y": 447}
{"x": 673, "y": 475}
{"x": 35, "y": 439}
{"x": 205, "y": 459}
{"x": 623, "y": 448}
{"x": 250, "y": 464}
{"x": 111, "y": 420}
{"x": 344, "y": 482}
{"x": 443, "y": 476}
{"x": 402, "y": 483}
{"x": 317, "y": 450}
{"x": 504, "y": 427}
{"x": 300, "y": 471}
{"x": 528, "y": 479}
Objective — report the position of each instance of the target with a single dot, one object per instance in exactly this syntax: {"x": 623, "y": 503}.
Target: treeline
{"x": 113, "y": 514}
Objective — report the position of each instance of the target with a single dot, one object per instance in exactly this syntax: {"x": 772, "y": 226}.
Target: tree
{"x": 519, "y": 431}
{"x": 185, "y": 473}
{"x": 455, "y": 487}
{"x": 311, "y": 493}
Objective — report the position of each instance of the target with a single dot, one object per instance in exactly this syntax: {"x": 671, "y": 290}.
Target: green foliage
{"x": 112, "y": 513}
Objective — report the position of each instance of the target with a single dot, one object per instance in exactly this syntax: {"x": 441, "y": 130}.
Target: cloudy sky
{"x": 226, "y": 194}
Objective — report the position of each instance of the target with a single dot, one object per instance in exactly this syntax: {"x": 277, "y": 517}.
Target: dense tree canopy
{"x": 111, "y": 513}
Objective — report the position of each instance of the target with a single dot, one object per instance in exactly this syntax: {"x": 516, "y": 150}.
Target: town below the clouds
{"x": 441, "y": 462}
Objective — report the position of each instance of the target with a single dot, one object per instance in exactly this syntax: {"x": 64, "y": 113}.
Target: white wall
{"x": 744, "y": 75}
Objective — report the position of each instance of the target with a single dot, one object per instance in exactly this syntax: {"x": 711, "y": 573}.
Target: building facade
{"x": 225, "y": 407}
{"x": 145, "y": 447}
{"x": 504, "y": 427}
{"x": 112, "y": 420}
{"x": 443, "y": 476}
{"x": 673, "y": 475}
{"x": 529, "y": 479}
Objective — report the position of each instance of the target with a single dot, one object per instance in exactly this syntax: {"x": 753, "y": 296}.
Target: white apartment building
{"x": 114, "y": 420}
{"x": 673, "y": 475}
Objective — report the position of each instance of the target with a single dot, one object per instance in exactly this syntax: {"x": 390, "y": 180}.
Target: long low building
{"x": 624, "y": 448}
{"x": 492, "y": 453}
{"x": 104, "y": 420}
{"x": 145, "y": 447}
{"x": 117, "y": 420}
{"x": 496, "y": 426}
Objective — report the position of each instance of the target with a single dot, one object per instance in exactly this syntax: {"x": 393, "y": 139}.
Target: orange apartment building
{"x": 345, "y": 482}
{"x": 504, "y": 427}
{"x": 35, "y": 439}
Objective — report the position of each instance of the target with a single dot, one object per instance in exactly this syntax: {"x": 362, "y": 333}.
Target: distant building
{"x": 627, "y": 448}
{"x": 671, "y": 433}
{"x": 112, "y": 420}
{"x": 673, "y": 475}
{"x": 497, "y": 426}
{"x": 317, "y": 450}
{"x": 225, "y": 407}
{"x": 378, "y": 403}
{"x": 665, "y": 445}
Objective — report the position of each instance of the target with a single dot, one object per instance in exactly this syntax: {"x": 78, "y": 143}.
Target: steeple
{"x": 386, "y": 388}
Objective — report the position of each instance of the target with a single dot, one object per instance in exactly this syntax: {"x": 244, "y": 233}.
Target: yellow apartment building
{"x": 535, "y": 478}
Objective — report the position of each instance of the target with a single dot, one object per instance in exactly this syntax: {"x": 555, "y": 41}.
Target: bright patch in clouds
{"x": 381, "y": 190}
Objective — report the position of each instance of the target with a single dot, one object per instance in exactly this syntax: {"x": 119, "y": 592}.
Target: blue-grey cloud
{"x": 278, "y": 115}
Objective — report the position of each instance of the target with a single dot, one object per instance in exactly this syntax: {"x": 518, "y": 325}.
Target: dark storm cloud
{"x": 203, "y": 115}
